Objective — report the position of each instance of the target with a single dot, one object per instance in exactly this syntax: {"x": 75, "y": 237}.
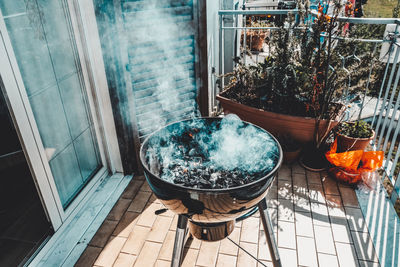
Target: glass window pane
{"x": 12, "y": 7}
{"x": 58, "y": 37}
{"x": 51, "y": 121}
{"x": 86, "y": 154}
{"x": 44, "y": 46}
{"x": 32, "y": 53}
{"x": 66, "y": 174}
{"x": 74, "y": 104}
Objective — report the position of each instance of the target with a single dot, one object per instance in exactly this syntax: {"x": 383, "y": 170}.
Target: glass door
{"x": 45, "y": 49}
{"x": 24, "y": 225}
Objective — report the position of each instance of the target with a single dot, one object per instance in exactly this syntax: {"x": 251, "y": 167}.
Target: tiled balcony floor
{"x": 317, "y": 223}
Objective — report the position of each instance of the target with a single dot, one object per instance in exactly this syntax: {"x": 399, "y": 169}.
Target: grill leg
{"x": 269, "y": 233}
{"x": 179, "y": 241}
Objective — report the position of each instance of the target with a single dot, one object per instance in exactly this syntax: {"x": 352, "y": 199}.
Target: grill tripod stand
{"x": 268, "y": 230}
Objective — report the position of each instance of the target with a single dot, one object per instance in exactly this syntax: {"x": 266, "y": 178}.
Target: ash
{"x": 212, "y": 154}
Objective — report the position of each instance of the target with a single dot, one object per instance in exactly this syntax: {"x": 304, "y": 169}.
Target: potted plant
{"x": 255, "y": 38}
{"x": 297, "y": 90}
{"x": 353, "y": 135}
{"x": 291, "y": 148}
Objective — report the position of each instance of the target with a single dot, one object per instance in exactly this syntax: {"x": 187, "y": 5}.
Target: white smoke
{"x": 164, "y": 52}
{"x": 228, "y": 145}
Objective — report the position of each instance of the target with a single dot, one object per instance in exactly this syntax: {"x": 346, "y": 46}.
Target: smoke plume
{"x": 228, "y": 145}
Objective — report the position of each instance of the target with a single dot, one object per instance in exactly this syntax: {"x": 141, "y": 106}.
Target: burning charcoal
{"x": 179, "y": 181}
{"x": 214, "y": 177}
{"x": 204, "y": 174}
{"x": 192, "y": 152}
{"x": 211, "y": 153}
{"x": 193, "y": 161}
{"x": 192, "y": 174}
{"x": 203, "y": 181}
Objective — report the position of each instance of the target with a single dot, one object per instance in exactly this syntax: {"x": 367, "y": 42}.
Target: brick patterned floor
{"x": 317, "y": 222}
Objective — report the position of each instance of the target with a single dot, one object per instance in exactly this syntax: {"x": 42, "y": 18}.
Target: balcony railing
{"x": 382, "y": 110}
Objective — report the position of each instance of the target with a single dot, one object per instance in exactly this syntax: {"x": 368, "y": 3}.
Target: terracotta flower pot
{"x": 291, "y": 156}
{"x": 346, "y": 143}
{"x": 255, "y": 40}
{"x": 301, "y": 128}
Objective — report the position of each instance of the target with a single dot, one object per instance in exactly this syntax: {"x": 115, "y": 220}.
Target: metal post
{"x": 396, "y": 189}
{"x": 393, "y": 115}
{"x": 179, "y": 241}
{"x": 221, "y": 52}
{"x": 245, "y": 40}
{"x": 381, "y": 89}
{"x": 389, "y": 155}
{"x": 385, "y": 104}
{"x": 269, "y": 233}
{"x": 367, "y": 86}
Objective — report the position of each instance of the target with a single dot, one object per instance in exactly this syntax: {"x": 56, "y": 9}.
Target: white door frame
{"x": 89, "y": 51}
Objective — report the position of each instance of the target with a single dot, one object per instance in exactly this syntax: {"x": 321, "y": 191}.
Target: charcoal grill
{"x": 211, "y": 213}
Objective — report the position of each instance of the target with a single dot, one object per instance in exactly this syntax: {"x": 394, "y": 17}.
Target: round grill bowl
{"x": 207, "y": 206}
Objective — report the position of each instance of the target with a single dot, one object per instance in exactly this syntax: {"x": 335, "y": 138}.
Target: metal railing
{"x": 386, "y": 120}
{"x": 386, "y": 115}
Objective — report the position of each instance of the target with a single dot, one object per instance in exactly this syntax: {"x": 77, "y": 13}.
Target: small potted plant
{"x": 353, "y": 135}
{"x": 291, "y": 148}
{"x": 255, "y": 38}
